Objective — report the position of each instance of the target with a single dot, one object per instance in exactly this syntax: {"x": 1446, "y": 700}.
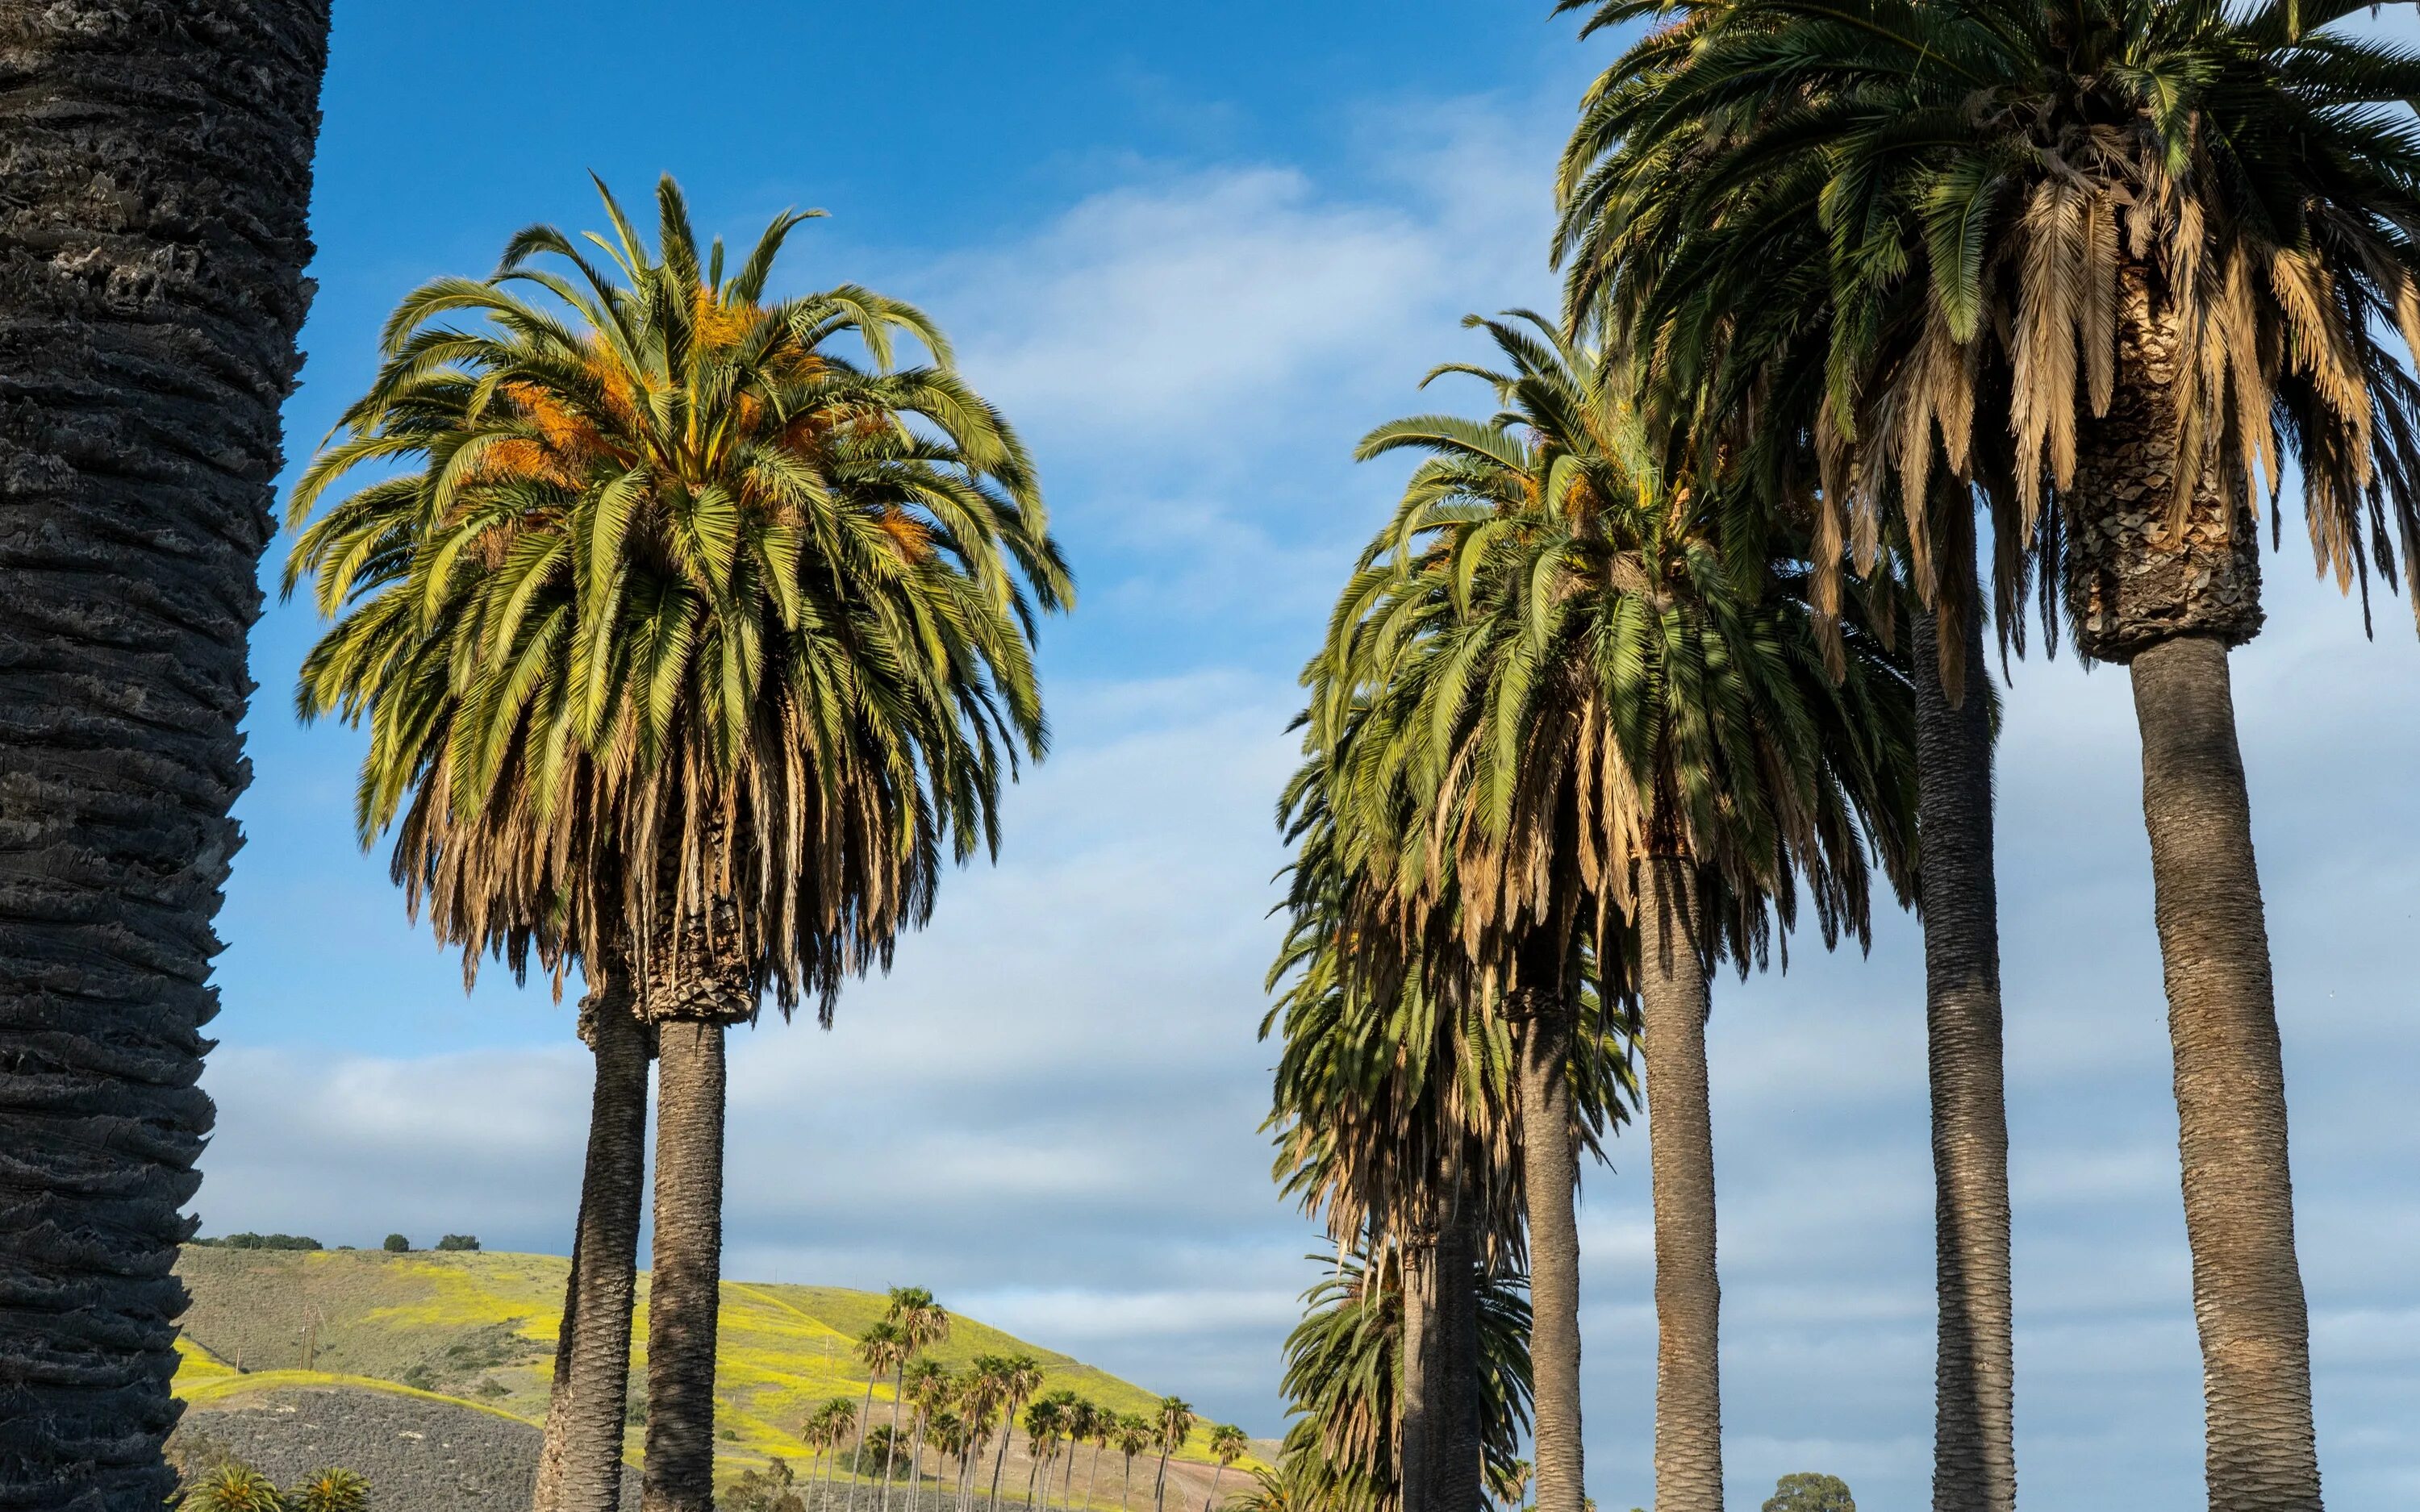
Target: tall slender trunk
{"x": 1067, "y": 1483}
{"x": 1031, "y": 1471}
{"x": 1415, "y": 1467}
{"x": 916, "y": 1464}
{"x": 1974, "y": 1437}
{"x": 2230, "y": 1085}
{"x": 1000, "y": 1461}
{"x": 1673, "y": 1006}
{"x": 686, "y": 1287}
{"x": 890, "y": 1445}
{"x": 1550, "y": 1175}
{"x": 1126, "y": 1497}
{"x": 580, "y": 1469}
{"x": 1454, "y": 1405}
{"x": 856, "y": 1453}
{"x": 1216, "y": 1476}
{"x": 1160, "y": 1486}
{"x": 152, "y": 242}
{"x": 2170, "y": 602}
{"x": 1092, "y": 1476}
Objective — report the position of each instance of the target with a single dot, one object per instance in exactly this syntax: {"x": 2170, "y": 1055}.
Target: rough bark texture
{"x": 580, "y": 1468}
{"x": 685, "y": 1284}
{"x": 1673, "y": 1006}
{"x": 1974, "y": 1447}
{"x": 2230, "y": 1085}
{"x": 2129, "y": 584}
{"x": 1550, "y": 1175}
{"x": 157, "y": 159}
{"x": 1415, "y": 1457}
{"x": 1453, "y": 1406}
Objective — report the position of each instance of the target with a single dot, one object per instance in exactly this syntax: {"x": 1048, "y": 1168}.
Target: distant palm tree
{"x": 826, "y": 1427}
{"x": 921, "y": 1321}
{"x": 1100, "y": 1424}
{"x": 1075, "y": 1427}
{"x": 1511, "y": 1485}
{"x": 1228, "y": 1443}
{"x": 156, "y": 230}
{"x": 928, "y": 1385}
{"x": 980, "y": 1395}
{"x": 1042, "y": 1429}
{"x": 1172, "y": 1423}
{"x": 948, "y": 1432}
{"x": 232, "y": 1488}
{"x": 1019, "y": 1377}
{"x": 878, "y": 1348}
{"x": 329, "y": 1489}
{"x": 1133, "y": 1436}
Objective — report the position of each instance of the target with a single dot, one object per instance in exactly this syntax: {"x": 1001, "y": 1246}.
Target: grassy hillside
{"x": 480, "y": 1328}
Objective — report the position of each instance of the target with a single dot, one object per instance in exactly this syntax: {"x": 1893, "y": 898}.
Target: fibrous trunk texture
{"x": 580, "y": 1467}
{"x": 1453, "y": 1401}
{"x": 1550, "y": 1176}
{"x": 1673, "y": 1006}
{"x": 1416, "y": 1469}
{"x": 1974, "y": 1447}
{"x": 2230, "y": 1085}
{"x": 2131, "y": 581}
{"x": 152, "y": 242}
{"x": 685, "y": 1287}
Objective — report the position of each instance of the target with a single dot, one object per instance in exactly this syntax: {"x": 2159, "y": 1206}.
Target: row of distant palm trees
{"x": 1689, "y": 632}
{"x": 957, "y": 1413}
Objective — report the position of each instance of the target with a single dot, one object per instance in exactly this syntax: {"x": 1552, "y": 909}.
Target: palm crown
{"x": 1869, "y": 224}
{"x": 714, "y": 624}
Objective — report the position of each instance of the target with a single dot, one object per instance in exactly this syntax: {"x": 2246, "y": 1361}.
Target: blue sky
{"x": 1195, "y": 253}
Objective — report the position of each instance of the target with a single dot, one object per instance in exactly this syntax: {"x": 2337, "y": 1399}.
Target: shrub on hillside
{"x": 250, "y": 1240}
{"x": 768, "y": 1489}
{"x": 397, "y": 1244}
{"x": 458, "y": 1241}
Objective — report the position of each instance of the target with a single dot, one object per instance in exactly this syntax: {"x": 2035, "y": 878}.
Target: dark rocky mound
{"x": 419, "y": 1456}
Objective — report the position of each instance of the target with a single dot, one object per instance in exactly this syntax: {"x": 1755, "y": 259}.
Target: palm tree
{"x": 1043, "y": 1426}
{"x": 803, "y": 593}
{"x": 1134, "y": 1436}
{"x": 1172, "y": 1423}
{"x": 1343, "y": 1378}
{"x": 330, "y": 1488}
{"x": 2191, "y": 288}
{"x": 921, "y": 1322}
{"x": 1100, "y": 1427}
{"x": 1228, "y": 1443}
{"x": 1511, "y": 1488}
{"x": 232, "y": 1488}
{"x": 1725, "y": 320}
{"x": 1080, "y": 1420}
{"x": 927, "y": 1384}
{"x": 979, "y": 1399}
{"x": 950, "y": 1438}
{"x": 879, "y": 1349}
{"x": 1631, "y": 708}
{"x": 1016, "y": 1376}
{"x": 133, "y": 522}
{"x": 825, "y": 1427}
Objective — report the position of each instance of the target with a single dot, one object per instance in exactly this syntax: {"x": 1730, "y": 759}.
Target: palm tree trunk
{"x": 1974, "y": 1443}
{"x": 687, "y": 1285}
{"x": 2170, "y": 603}
{"x": 916, "y": 1464}
{"x": 580, "y": 1469}
{"x": 1455, "y": 1407}
{"x": 1159, "y": 1487}
{"x": 857, "y": 1454}
{"x": 1216, "y": 1476}
{"x": 1031, "y": 1471}
{"x": 1414, "y": 1462}
{"x": 1673, "y": 1006}
{"x": 2230, "y": 1085}
{"x": 152, "y": 242}
{"x": 1000, "y": 1461}
{"x": 1092, "y": 1476}
{"x": 1550, "y": 1173}
{"x": 890, "y": 1447}
{"x": 1126, "y": 1497}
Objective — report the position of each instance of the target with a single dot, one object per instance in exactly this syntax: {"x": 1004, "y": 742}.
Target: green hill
{"x": 479, "y": 1328}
